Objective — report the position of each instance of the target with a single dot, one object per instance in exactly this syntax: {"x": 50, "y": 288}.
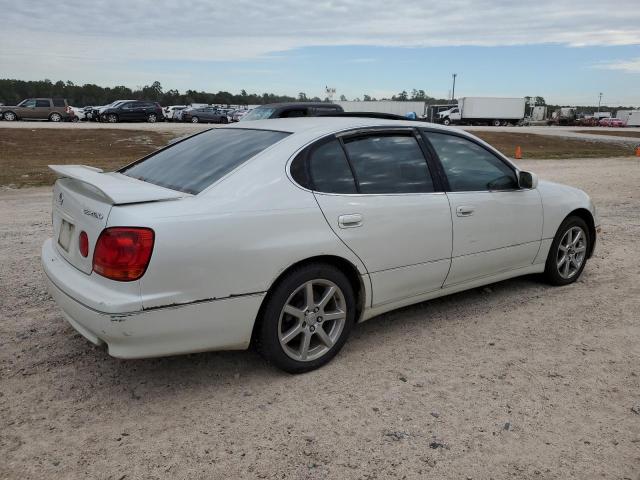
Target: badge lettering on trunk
{"x": 93, "y": 214}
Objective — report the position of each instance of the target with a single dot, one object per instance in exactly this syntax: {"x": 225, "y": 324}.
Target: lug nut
{"x": 312, "y": 328}
{"x": 319, "y": 319}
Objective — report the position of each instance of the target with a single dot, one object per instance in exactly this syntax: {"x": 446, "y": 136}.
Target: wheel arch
{"x": 342, "y": 264}
{"x": 586, "y": 215}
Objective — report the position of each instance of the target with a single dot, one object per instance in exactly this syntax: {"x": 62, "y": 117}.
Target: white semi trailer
{"x": 495, "y": 111}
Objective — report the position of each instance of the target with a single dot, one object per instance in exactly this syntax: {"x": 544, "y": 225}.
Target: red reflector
{"x": 83, "y": 244}
{"x": 123, "y": 253}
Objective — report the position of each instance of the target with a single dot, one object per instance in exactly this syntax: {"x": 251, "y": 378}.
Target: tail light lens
{"x": 123, "y": 253}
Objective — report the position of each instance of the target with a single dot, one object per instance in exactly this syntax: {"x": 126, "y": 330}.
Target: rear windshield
{"x": 192, "y": 165}
{"x": 259, "y": 113}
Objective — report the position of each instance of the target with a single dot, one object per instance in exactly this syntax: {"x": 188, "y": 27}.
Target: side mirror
{"x": 527, "y": 180}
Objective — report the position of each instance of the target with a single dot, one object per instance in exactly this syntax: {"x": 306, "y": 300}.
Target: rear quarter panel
{"x": 233, "y": 239}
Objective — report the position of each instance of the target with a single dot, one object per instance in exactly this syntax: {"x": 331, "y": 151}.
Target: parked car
{"x": 169, "y": 110}
{"x": 52, "y": 109}
{"x": 286, "y": 233}
{"x": 612, "y": 122}
{"x": 132, "y": 111}
{"x": 96, "y": 112}
{"x": 204, "y": 115}
{"x": 237, "y": 115}
{"x": 293, "y": 109}
{"x": 77, "y": 114}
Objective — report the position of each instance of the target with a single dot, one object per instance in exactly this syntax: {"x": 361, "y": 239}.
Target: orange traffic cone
{"x": 518, "y": 153}
{"x": 637, "y": 150}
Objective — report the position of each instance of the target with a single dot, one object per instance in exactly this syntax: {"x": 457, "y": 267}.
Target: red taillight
{"x": 83, "y": 243}
{"x": 123, "y": 253}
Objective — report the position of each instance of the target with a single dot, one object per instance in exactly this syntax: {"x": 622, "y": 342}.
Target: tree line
{"x": 13, "y": 91}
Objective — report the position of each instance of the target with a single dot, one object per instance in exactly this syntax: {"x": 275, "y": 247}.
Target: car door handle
{"x": 465, "y": 211}
{"x": 350, "y": 221}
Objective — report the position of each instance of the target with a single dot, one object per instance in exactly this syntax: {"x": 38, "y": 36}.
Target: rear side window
{"x": 43, "y": 103}
{"x": 330, "y": 170}
{"x": 469, "y": 167}
{"x": 389, "y": 164}
{"x": 59, "y": 102}
{"x": 192, "y": 165}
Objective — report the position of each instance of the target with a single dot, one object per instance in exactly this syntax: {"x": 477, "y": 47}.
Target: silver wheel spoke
{"x": 566, "y": 269}
{"x": 327, "y": 297}
{"x": 577, "y": 238}
{"x": 562, "y": 248}
{"x": 561, "y": 261}
{"x": 324, "y": 336}
{"x": 308, "y": 294}
{"x": 293, "y": 311}
{"x": 580, "y": 249}
{"x": 333, "y": 316}
{"x": 291, "y": 334}
{"x": 304, "y": 346}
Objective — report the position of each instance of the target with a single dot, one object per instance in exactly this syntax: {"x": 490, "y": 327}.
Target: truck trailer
{"x": 494, "y": 111}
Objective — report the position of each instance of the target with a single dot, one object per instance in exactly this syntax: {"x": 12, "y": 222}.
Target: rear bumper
{"x": 224, "y": 324}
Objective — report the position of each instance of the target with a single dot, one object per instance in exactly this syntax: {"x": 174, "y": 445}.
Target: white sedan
{"x": 285, "y": 233}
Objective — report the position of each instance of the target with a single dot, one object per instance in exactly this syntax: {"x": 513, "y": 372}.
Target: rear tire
{"x": 55, "y": 117}
{"x": 307, "y": 318}
{"x": 496, "y": 123}
{"x": 152, "y": 118}
{"x": 568, "y": 253}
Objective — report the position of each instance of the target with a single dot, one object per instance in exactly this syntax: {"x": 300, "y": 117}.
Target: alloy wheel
{"x": 572, "y": 251}
{"x": 312, "y": 320}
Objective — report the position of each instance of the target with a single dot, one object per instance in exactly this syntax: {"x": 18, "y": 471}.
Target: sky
{"x": 566, "y": 51}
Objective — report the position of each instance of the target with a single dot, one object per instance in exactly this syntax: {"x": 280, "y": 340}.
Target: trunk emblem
{"x": 93, "y": 214}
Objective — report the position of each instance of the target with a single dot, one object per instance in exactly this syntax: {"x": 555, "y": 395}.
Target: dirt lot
{"x": 26, "y": 152}
{"x": 614, "y": 133}
{"x": 547, "y": 146}
{"x": 518, "y": 380}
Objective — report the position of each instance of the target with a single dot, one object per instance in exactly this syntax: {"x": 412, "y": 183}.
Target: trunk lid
{"x": 82, "y": 200}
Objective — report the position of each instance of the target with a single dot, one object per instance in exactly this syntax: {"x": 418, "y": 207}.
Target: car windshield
{"x": 259, "y": 113}
{"x": 194, "y": 164}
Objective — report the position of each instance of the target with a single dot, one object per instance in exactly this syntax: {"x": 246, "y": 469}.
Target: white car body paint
{"x": 217, "y": 253}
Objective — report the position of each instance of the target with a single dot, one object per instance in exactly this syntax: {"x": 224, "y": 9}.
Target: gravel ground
{"x": 516, "y": 380}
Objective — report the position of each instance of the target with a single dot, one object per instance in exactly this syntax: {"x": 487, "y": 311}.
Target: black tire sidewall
{"x": 267, "y": 341}
{"x": 551, "y": 267}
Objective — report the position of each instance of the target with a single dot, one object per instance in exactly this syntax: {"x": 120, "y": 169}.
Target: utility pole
{"x": 599, "y": 101}
{"x": 453, "y": 90}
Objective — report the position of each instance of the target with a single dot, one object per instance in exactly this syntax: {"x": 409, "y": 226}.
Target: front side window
{"x": 389, "y": 163}
{"x": 194, "y": 164}
{"x": 469, "y": 167}
{"x": 31, "y": 102}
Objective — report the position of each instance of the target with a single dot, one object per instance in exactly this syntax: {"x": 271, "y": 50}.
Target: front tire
{"x": 496, "y": 123}
{"x": 10, "y": 116}
{"x": 307, "y": 318}
{"x": 446, "y": 122}
{"x": 195, "y": 119}
{"x": 112, "y": 118}
{"x": 568, "y": 253}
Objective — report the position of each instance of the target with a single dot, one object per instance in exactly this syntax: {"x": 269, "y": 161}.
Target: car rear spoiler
{"x": 118, "y": 189}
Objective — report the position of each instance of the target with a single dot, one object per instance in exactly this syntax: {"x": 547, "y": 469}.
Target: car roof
{"x": 328, "y": 125}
